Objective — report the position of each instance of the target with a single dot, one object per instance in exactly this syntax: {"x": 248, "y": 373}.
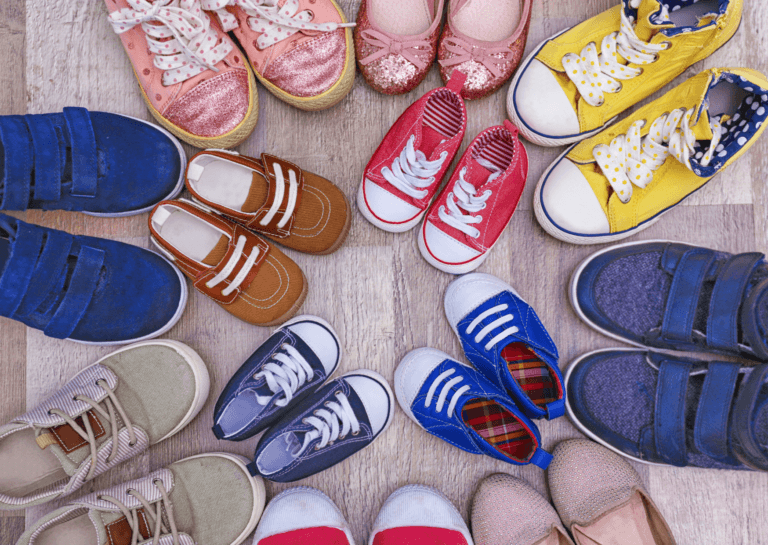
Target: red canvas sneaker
{"x": 407, "y": 168}
{"x": 474, "y": 208}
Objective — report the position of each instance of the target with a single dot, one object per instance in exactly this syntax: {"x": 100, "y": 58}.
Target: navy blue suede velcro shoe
{"x": 95, "y": 162}
{"x": 674, "y": 296}
{"x": 341, "y": 418}
{"x": 291, "y": 364}
{"x": 86, "y": 289}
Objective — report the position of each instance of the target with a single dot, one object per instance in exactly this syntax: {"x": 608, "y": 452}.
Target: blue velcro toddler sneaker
{"x": 674, "y": 296}
{"x": 341, "y": 418}
{"x": 86, "y": 289}
{"x": 664, "y": 409}
{"x": 292, "y": 363}
{"x": 504, "y": 339}
{"x": 94, "y": 162}
{"x": 454, "y": 402}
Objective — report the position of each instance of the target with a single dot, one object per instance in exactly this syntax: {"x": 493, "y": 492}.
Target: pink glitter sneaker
{"x": 396, "y": 42}
{"x": 484, "y": 39}
{"x": 192, "y": 76}
{"x": 301, "y": 50}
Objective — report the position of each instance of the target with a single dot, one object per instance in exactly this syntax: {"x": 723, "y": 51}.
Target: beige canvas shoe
{"x": 110, "y": 412}
{"x": 206, "y": 499}
{"x": 601, "y": 499}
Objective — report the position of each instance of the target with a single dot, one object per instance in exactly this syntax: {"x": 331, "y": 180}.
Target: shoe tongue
{"x": 702, "y": 130}
{"x": 257, "y": 194}
{"x": 219, "y": 251}
{"x": 66, "y": 444}
{"x": 644, "y": 28}
{"x": 427, "y": 141}
{"x": 480, "y": 171}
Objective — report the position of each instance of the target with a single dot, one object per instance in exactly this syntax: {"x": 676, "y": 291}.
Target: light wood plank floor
{"x": 377, "y": 290}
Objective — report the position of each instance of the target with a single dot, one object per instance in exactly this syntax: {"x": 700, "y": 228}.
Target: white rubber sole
{"x": 381, "y": 380}
{"x": 447, "y": 268}
{"x": 384, "y": 226}
{"x": 257, "y": 486}
{"x": 173, "y": 194}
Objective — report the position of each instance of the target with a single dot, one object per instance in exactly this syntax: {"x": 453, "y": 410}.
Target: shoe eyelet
{"x": 355, "y": 433}
{"x": 146, "y": 71}
{"x": 668, "y": 44}
{"x": 338, "y": 393}
{"x": 132, "y": 444}
{"x": 304, "y": 421}
{"x": 317, "y": 447}
{"x": 621, "y": 85}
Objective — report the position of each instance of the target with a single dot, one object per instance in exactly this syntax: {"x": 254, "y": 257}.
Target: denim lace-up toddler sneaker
{"x": 504, "y": 339}
{"x": 293, "y": 363}
{"x": 674, "y": 296}
{"x": 87, "y": 161}
{"x": 454, "y": 402}
{"x": 341, "y": 418}
{"x": 664, "y": 409}
{"x": 86, "y": 289}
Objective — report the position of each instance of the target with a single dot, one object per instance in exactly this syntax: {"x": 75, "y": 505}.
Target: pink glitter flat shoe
{"x": 484, "y": 39}
{"x": 396, "y": 42}
{"x": 192, "y": 76}
{"x": 301, "y": 50}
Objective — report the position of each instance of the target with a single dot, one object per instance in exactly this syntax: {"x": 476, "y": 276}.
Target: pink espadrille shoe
{"x": 192, "y": 76}
{"x": 484, "y": 39}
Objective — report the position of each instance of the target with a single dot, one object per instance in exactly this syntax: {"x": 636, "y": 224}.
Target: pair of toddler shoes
{"x": 680, "y": 397}
{"x": 199, "y": 83}
{"x": 486, "y": 409}
{"x": 397, "y": 44}
{"x": 109, "y": 413}
{"x": 617, "y": 180}
{"x": 221, "y": 239}
{"x": 461, "y": 225}
{"x": 311, "y": 421}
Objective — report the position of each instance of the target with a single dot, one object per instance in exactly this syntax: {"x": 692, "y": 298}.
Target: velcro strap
{"x": 48, "y": 271}
{"x": 279, "y": 194}
{"x": 684, "y": 295}
{"x": 84, "y": 160}
{"x": 83, "y": 283}
{"x": 750, "y": 399}
{"x": 711, "y": 428}
{"x": 669, "y": 416}
{"x": 47, "y": 158}
{"x": 727, "y": 296}
{"x": 17, "y": 163}
{"x": 26, "y": 244}
{"x": 541, "y": 458}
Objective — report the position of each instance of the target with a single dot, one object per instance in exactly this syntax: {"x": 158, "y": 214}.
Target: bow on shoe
{"x": 408, "y": 50}
{"x": 178, "y": 33}
{"x": 273, "y": 22}
{"x": 492, "y": 58}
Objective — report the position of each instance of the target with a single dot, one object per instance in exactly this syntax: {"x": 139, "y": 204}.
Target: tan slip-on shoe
{"x": 209, "y": 498}
{"x": 272, "y": 197}
{"x": 601, "y": 499}
{"x": 509, "y": 510}
{"x": 241, "y": 271}
{"x": 110, "y": 412}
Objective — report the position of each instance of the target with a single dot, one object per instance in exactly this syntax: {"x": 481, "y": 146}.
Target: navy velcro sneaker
{"x": 86, "y": 289}
{"x": 291, "y": 364}
{"x": 674, "y": 296}
{"x": 95, "y": 162}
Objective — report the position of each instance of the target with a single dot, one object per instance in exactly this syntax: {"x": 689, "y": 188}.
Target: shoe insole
{"x": 689, "y": 15}
{"x": 498, "y": 427}
{"x": 725, "y": 99}
{"x": 78, "y": 531}
{"x": 488, "y": 20}
{"x": 497, "y": 148}
{"x": 402, "y": 17}
{"x": 189, "y": 234}
{"x": 25, "y": 468}
{"x": 532, "y": 374}
{"x": 554, "y": 538}
{"x": 228, "y": 184}
{"x": 628, "y": 525}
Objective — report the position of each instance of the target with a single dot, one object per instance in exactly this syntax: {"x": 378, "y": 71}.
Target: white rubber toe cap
{"x": 411, "y": 374}
{"x": 321, "y": 339}
{"x": 542, "y": 105}
{"x": 469, "y": 292}
{"x": 386, "y": 206}
{"x": 446, "y": 248}
{"x": 571, "y": 204}
{"x": 374, "y": 393}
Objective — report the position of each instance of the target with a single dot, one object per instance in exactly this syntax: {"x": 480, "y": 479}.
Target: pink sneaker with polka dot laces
{"x": 192, "y": 76}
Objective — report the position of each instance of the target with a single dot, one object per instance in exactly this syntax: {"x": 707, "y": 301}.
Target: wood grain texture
{"x": 377, "y": 291}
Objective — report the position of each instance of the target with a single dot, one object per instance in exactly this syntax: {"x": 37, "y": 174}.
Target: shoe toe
{"x": 375, "y": 396}
{"x": 411, "y": 374}
{"x": 570, "y": 203}
{"x": 386, "y": 206}
{"x": 446, "y": 249}
{"x": 470, "y": 291}
{"x": 320, "y": 338}
{"x": 297, "y": 509}
{"x": 419, "y": 506}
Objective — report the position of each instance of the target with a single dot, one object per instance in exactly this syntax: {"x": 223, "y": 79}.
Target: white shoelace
{"x": 631, "y": 159}
{"x": 274, "y": 23}
{"x": 445, "y": 391}
{"x": 500, "y": 321}
{"x": 230, "y": 266}
{"x": 467, "y": 199}
{"x": 326, "y": 423}
{"x": 593, "y": 74}
{"x": 178, "y": 33}
{"x": 293, "y": 192}
{"x": 411, "y": 173}
{"x": 286, "y": 373}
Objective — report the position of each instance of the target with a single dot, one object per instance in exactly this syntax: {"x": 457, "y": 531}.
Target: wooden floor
{"x": 378, "y": 292}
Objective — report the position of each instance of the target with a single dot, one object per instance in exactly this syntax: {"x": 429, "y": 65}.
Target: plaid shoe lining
{"x": 499, "y": 428}
{"x": 532, "y": 374}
